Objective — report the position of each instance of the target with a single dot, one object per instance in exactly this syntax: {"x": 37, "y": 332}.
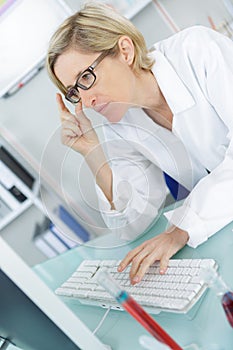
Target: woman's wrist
{"x": 180, "y": 235}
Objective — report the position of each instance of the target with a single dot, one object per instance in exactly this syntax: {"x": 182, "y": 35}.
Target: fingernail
{"x": 162, "y": 271}
{"x": 136, "y": 279}
{"x": 120, "y": 267}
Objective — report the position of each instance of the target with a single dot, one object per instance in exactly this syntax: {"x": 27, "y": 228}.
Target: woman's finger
{"x": 138, "y": 274}
{"x": 61, "y": 105}
{"x": 138, "y": 270}
{"x": 79, "y": 112}
{"x": 70, "y": 125}
{"x": 139, "y": 263}
{"x": 68, "y": 117}
{"x": 164, "y": 264}
{"x": 79, "y": 107}
{"x": 129, "y": 257}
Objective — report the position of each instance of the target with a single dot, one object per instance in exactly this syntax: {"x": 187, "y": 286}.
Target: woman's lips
{"x": 101, "y": 107}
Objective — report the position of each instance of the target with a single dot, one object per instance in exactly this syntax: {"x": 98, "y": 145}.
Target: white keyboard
{"x": 176, "y": 291}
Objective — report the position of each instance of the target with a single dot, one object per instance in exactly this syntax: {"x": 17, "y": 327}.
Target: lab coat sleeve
{"x": 209, "y": 207}
{"x": 139, "y": 188}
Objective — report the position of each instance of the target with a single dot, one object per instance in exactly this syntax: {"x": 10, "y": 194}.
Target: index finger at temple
{"x": 78, "y": 107}
{"x": 61, "y": 105}
{"x": 79, "y": 113}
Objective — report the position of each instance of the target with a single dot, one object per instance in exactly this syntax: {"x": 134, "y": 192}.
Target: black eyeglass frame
{"x": 90, "y": 70}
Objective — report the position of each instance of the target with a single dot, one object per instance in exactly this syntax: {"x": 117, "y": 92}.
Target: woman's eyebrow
{"x": 76, "y": 77}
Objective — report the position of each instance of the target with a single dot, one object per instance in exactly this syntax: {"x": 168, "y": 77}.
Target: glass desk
{"x": 205, "y": 325}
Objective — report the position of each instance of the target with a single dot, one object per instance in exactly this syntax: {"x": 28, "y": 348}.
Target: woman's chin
{"x": 115, "y": 111}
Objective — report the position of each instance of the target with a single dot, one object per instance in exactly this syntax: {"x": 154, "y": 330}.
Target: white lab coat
{"x": 194, "y": 70}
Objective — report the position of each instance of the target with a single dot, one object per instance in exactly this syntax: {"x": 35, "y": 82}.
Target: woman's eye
{"x": 86, "y": 77}
{"x": 86, "y": 80}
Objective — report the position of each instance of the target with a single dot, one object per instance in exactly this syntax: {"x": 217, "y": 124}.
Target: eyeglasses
{"x": 85, "y": 80}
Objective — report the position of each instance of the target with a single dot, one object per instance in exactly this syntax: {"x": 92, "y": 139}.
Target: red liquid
{"x": 227, "y": 303}
{"x": 149, "y": 323}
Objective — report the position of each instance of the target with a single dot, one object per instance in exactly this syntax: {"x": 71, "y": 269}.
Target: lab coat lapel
{"x": 160, "y": 146}
{"x": 177, "y": 95}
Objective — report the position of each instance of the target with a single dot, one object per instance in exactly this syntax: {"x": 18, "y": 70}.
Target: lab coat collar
{"x": 175, "y": 92}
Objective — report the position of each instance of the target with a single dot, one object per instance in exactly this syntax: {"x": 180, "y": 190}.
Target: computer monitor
{"x": 32, "y": 316}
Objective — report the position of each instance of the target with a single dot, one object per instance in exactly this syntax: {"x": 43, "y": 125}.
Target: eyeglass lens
{"x": 73, "y": 95}
{"x": 85, "y": 81}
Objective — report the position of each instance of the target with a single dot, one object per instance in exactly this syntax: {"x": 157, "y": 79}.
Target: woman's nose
{"x": 88, "y": 99}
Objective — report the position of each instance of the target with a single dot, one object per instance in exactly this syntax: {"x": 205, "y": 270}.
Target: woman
{"x": 99, "y": 60}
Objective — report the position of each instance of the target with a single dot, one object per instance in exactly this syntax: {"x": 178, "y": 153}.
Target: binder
{"x": 50, "y": 240}
{"x": 45, "y": 248}
{"x": 54, "y": 242}
{"x": 62, "y": 237}
{"x": 73, "y": 224}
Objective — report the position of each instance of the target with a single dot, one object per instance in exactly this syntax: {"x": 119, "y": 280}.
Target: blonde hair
{"x": 95, "y": 28}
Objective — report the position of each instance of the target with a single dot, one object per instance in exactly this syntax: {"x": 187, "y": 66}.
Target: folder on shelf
{"x": 44, "y": 247}
{"x": 50, "y": 240}
{"x": 38, "y": 239}
{"x": 73, "y": 224}
{"x": 69, "y": 243}
{"x": 54, "y": 242}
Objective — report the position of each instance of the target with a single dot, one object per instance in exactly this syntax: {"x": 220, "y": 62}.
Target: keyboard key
{"x": 85, "y": 268}
{"x": 91, "y": 263}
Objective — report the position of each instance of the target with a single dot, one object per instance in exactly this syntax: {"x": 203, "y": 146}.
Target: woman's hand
{"x": 161, "y": 247}
{"x": 77, "y": 131}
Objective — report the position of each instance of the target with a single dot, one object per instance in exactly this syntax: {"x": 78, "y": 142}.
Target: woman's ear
{"x": 126, "y": 49}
